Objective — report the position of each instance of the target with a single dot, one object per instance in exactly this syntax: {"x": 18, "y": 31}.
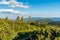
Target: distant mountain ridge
{"x": 39, "y": 18}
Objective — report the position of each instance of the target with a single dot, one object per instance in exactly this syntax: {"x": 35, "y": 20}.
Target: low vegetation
{"x": 31, "y": 30}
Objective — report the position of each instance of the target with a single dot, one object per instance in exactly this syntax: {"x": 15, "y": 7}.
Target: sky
{"x": 34, "y": 8}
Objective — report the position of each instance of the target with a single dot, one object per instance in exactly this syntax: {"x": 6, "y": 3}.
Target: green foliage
{"x": 22, "y": 18}
{"x": 31, "y": 31}
{"x": 6, "y": 18}
{"x": 18, "y": 18}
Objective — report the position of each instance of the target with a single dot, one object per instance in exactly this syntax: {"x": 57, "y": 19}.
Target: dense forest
{"x": 19, "y": 29}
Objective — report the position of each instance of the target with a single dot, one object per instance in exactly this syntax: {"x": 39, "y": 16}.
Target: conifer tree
{"x": 22, "y": 18}
{"x": 6, "y": 18}
{"x": 18, "y": 18}
{"x": 29, "y": 19}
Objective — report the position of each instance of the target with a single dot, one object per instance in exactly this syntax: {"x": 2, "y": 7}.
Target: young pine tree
{"x": 22, "y": 18}
{"x": 18, "y": 18}
{"x": 6, "y": 18}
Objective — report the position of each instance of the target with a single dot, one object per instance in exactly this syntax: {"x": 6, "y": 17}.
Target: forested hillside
{"x": 31, "y": 30}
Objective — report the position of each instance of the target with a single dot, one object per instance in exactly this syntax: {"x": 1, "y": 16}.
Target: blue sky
{"x": 37, "y": 8}
{"x": 45, "y": 8}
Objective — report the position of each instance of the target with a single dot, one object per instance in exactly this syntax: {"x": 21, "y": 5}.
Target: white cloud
{"x": 12, "y": 11}
{"x": 14, "y": 3}
{"x": 21, "y": 6}
{"x": 4, "y": 2}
